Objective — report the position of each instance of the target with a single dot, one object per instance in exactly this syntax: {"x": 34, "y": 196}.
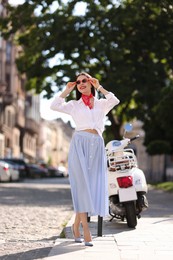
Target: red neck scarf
{"x": 87, "y": 100}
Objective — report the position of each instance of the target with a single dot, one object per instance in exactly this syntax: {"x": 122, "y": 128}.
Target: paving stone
{"x": 33, "y": 213}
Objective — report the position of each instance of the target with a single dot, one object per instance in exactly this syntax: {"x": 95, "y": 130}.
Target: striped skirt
{"x": 87, "y": 169}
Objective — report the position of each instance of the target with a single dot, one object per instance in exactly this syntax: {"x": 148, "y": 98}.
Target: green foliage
{"x": 158, "y": 147}
{"x": 163, "y": 112}
{"x": 166, "y": 186}
{"x": 127, "y": 45}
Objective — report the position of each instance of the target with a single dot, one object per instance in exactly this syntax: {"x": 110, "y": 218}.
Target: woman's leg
{"x": 76, "y": 225}
{"x": 87, "y": 234}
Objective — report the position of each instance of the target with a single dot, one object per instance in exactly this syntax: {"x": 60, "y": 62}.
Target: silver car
{"x": 11, "y": 171}
{"x": 4, "y": 172}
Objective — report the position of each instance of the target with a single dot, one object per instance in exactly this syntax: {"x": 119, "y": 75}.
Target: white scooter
{"x": 127, "y": 185}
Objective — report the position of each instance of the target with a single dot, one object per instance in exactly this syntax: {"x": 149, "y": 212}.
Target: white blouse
{"x": 83, "y": 116}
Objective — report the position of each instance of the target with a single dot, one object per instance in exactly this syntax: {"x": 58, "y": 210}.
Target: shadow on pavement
{"x": 38, "y": 253}
{"x": 65, "y": 247}
{"x": 34, "y": 196}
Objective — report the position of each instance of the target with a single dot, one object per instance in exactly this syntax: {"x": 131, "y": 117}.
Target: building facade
{"x": 54, "y": 141}
{"x": 19, "y": 110}
{"x": 23, "y": 134}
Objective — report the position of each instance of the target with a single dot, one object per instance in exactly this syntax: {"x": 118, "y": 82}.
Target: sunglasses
{"x": 78, "y": 82}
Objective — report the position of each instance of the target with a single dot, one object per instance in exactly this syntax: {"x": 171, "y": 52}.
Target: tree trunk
{"x": 115, "y": 126}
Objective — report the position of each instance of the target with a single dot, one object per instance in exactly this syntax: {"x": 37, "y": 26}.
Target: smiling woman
{"x": 87, "y": 165}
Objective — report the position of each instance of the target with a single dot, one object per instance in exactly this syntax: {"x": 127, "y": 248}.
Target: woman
{"x": 87, "y": 158}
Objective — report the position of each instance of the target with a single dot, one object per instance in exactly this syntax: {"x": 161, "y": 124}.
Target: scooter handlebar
{"x": 134, "y": 138}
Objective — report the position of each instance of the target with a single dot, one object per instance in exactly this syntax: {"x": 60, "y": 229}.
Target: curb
{"x": 67, "y": 229}
{"x": 93, "y": 225}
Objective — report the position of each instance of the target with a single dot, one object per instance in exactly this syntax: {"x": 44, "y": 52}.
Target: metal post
{"x": 99, "y": 226}
{"x": 88, "y": 219}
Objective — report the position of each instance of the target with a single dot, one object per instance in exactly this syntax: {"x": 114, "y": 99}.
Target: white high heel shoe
{"x": 76, "y": 239}
{"x": 88, "y": 243}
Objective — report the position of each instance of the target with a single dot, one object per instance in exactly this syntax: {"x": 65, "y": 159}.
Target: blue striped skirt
{"x": 87, "y": 169}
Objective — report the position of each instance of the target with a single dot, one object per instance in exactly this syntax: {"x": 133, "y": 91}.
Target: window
{"x": 8, "y": 52}
{"x": 9, "y": 118}
{"x": 0, "y": 69}
{"x": 1, "y": 148}
{"x": 0, "y": 41}
{"x": 1, "y": 9}
{"x": 17, "y": 140}
{"x": 8, "y": 79}
{"x": 7, "y": 142}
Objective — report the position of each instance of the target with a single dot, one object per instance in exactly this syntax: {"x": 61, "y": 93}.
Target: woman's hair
{"x": 78, "y": 94}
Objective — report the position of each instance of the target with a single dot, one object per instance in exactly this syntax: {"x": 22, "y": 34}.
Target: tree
{"x": 126, "y": 45}
{"x": 150, "y": 47}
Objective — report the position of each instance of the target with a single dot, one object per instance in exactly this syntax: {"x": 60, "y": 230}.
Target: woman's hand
{"x": 97, "y": 86}
{"x": 94, "y": 82}
{"x": 70, "y": 86}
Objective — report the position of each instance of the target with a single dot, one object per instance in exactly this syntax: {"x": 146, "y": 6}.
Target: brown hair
{"x": 78, "y": 94}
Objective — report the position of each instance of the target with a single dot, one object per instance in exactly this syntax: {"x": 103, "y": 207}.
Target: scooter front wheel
{"x": 131, "y": 214}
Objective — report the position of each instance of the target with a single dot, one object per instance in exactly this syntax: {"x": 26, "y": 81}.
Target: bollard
{"x": 99, "y": 226}
{"x": 88, "y": 219}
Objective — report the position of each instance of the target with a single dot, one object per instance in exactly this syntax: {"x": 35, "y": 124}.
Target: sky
{"x": 16, "y": 2}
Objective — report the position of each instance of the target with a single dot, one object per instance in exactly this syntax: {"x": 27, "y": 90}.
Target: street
{"x": 32, "y": 216}
{"x": 34, "y": 212}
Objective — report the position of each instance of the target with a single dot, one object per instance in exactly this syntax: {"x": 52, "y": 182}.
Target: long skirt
{"x": 87, "y": 169}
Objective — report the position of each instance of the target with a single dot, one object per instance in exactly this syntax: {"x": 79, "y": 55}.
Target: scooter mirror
{"x": 128, "y": 127}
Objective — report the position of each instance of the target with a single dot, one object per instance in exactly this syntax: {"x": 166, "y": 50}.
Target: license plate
{"x": 127, "y": 194}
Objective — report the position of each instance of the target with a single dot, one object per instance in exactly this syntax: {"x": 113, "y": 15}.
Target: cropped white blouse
{"x": 83, "y": 116}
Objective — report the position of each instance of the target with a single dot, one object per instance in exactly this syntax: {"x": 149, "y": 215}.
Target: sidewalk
{"x": 152, "y": 238}
{"x": 105, "y": 246}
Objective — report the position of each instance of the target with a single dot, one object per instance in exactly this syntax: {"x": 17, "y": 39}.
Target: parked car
{"x": 4, "y": 172}
{"x": 36, "y": 171}
{"x": 53, "y": 171}
{"x": 13, "y": 170}
{"x": 21, "y": 165}
{"x": 63, "y": 170}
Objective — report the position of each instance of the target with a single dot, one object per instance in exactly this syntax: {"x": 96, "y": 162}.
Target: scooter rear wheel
{"x": 131, "y": 214}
